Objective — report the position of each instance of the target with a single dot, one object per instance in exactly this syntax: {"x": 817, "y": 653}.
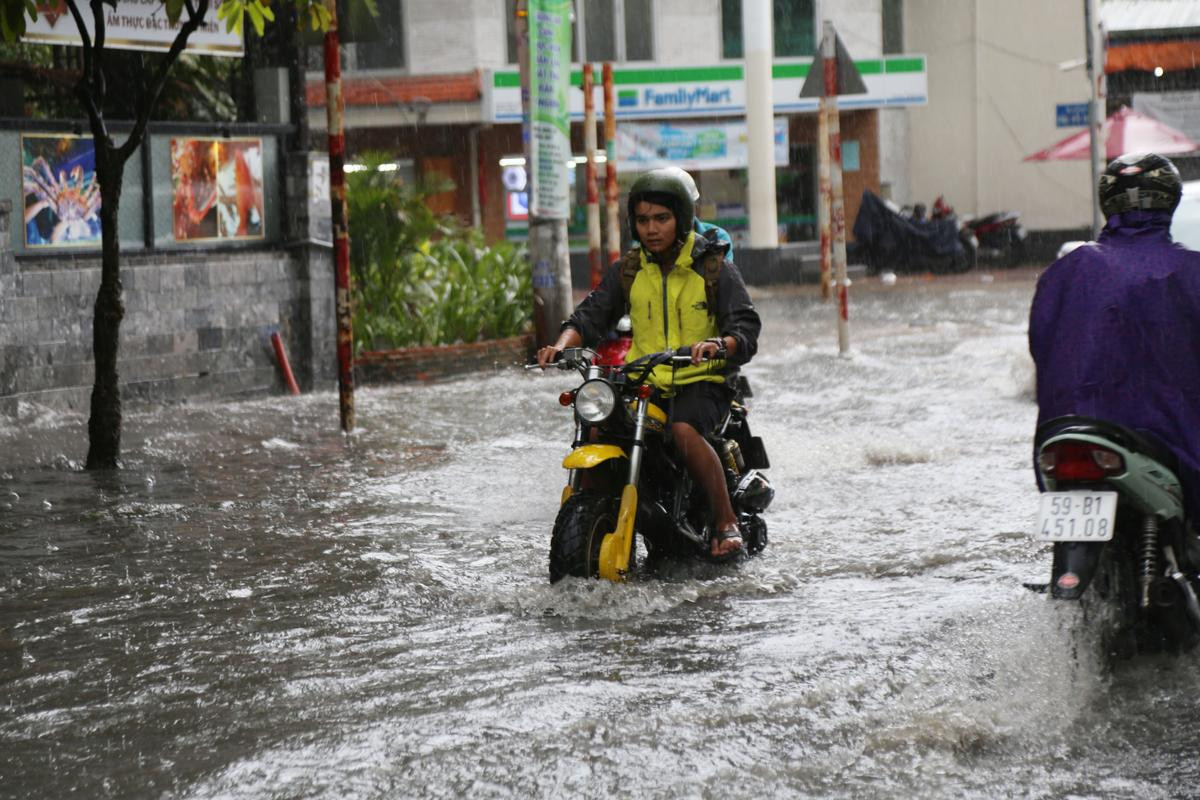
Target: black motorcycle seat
{"x": 1141, "y": 441}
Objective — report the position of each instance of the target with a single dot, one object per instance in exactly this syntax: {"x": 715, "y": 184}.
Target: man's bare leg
{"x": 705, "y": 468}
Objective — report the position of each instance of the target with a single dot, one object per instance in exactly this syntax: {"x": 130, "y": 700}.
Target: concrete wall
{"x": 196, "y": 325}
{"x": 994, "y": 82}
{"x": 441, "y": 36}
{"x": 687, "y": 32}
{"x": 859, "y": 23}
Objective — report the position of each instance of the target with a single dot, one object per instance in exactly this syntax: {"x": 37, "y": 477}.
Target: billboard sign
{"x": 131, "y": 25}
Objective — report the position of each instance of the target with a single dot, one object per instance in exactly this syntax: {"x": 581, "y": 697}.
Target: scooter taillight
{"x": 1080, "y": 461}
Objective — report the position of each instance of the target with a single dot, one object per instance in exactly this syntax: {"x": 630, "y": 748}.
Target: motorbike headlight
{"x": 595, "y": 401}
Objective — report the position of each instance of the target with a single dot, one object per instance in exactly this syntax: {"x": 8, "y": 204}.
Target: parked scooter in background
{"x": 905, "y": 240}
{"x": 1001, "y": 236}
{"x": 943, "y": 210}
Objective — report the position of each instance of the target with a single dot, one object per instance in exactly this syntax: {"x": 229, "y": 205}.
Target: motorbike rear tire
{"x": 579, "y": 529}
{"x": 1110, "y": 606}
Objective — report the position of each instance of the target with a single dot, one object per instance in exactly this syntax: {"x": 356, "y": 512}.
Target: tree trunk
{"x": 104, "y": 426}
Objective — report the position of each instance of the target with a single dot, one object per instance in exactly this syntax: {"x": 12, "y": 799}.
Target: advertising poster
{"x": 692, "y": 146}
{"x": 217, "y": 189}
{"x": 61, "y": 196}
{"x": 550, "y": 120}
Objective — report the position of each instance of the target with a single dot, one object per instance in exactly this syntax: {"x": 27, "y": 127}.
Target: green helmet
{"x": 662, "y": 187}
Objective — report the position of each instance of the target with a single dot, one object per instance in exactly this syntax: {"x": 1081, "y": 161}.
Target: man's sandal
{"x": 725, "y": 536}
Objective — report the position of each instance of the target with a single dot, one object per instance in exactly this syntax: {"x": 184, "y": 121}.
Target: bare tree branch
{"x": 84, "y": 88}
{"x": 196, "y": 14}
{"x": 101, "y": 80}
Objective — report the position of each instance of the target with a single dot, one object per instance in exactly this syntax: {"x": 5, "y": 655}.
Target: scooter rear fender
{"x": 1074, "y": 567}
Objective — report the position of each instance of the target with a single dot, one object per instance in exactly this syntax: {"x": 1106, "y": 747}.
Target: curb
{"x": 437, "y": 362}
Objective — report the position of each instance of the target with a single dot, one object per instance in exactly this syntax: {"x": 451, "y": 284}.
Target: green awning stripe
{"x": 790, "y": 70}
{"x": 905, "y": 64}
{"x": 732, "y": 72}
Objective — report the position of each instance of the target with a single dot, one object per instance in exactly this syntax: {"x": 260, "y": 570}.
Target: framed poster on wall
{"x": 217, "y": 189}
{"x": 61, "y": 196}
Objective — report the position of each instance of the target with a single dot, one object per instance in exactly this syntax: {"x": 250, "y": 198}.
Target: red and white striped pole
{"x": 823, "y": 198}
{"x": 593, "y": 196}
{"x": 837, "y": 209}
{"x": 334, "y": 111}
{"x": 611, "y": 194}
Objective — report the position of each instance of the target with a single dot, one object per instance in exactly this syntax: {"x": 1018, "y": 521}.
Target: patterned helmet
{"x": 662, "y": 187}
{"x": 1139, "y": 180}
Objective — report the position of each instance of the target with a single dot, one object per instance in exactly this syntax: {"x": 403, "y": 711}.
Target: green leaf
{"x": 256, "y": 17}
{"x": 174, "y": 9}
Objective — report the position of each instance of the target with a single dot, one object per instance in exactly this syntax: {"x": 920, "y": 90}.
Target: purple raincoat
{"x": 1115, "y": 333}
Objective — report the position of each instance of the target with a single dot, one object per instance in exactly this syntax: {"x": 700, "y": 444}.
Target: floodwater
{"x": 258, "y": 607}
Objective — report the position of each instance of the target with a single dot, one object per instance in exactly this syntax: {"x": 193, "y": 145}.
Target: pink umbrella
{"x": 1126, "y": 131}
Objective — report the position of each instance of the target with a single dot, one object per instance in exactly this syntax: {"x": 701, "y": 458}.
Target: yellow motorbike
{"x": 625, "y": 478}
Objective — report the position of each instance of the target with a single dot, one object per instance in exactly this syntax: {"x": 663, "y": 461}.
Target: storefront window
{"x": 384, "y": 47}
{"x": 792, "y": 22}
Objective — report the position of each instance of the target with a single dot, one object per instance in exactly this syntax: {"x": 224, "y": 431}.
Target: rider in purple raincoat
{"x": 1115, "y": 325}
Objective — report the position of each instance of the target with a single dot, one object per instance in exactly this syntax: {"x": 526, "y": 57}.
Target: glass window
{"x": 385, "y": 48}
{"x": 893, "y": 26}
{"x": 731, "y": 29}
{"x": 792, "y": 20}
{"x": 599, "y": 42}
{"x": 601, "y": 21}
{"x": 639, "y": 31}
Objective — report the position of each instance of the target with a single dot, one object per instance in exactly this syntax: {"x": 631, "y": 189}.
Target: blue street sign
{"x": 1071, "y": 115}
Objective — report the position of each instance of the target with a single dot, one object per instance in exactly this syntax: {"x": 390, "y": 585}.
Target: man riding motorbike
{"x": 1114, "y": 328}
{"x": 679, "y": 290}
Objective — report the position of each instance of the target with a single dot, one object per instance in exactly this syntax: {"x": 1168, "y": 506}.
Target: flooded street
{"x": 256, "y": 607}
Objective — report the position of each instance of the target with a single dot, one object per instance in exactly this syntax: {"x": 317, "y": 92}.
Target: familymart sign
{"x": 665, "y": 92}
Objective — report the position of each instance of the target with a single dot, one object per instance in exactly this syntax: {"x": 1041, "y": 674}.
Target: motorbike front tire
{"x": 579, "y": 529}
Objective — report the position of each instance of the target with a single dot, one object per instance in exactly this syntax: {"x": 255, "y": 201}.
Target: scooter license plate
{"x": 1076, "y": 517}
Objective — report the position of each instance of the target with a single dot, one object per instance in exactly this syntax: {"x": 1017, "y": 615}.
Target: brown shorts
{"x": 702, "y": 405}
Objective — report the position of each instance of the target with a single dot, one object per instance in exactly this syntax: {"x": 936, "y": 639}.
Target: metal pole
{"x": 593, "y": 197}
{"x": 611, "y": 195}
{"x": 760, "y": 125}
{"x": 334, "y": 110}
{"x": 837, "y": 211}
{"x": 823, "y": 197}
{"x": 1095, "y": 114}
{"x": 473, "y": 156}
{"x": 547, "y": 149}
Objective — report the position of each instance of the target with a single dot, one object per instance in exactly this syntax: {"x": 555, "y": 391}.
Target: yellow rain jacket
{"x": 669, "y": 310}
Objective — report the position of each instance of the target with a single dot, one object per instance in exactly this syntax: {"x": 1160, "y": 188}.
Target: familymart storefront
{"x": 693, "y": 117}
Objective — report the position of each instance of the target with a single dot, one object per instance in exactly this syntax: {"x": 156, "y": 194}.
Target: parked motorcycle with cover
{"x": 625, "y": 478}
{"x": 1112, "y": 506}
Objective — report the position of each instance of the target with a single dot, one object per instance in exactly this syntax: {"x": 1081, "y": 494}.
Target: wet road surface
{"x": 257, "y": 607}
